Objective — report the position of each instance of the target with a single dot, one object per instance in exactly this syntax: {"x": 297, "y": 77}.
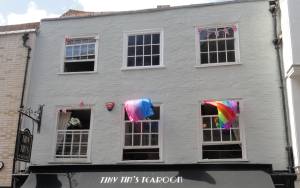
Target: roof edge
{"x": 18, "y": 31}
{"x": 100, "y": 14}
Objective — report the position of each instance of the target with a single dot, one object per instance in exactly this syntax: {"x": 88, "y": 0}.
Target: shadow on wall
{"x": 196, "y": 176}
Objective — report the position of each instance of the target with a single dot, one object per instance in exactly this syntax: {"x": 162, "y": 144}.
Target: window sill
{"x": 70, "y": 161}
{"x": 222, "y": 160}
{"x": 68, "y": 73}
{"x": 216, "y": 65}
{"x": 141, "y": 68}
{"x": 141, "y": 162}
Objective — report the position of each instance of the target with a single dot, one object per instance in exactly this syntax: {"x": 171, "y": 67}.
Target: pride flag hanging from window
{"x": 227, "y": 110}
{"x": 139, "y": 109}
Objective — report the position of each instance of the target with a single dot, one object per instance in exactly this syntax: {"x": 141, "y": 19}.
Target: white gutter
{"x": 17, "y": 31}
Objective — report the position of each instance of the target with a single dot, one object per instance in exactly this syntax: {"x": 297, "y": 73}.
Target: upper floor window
{"x": 143, "y": 49}
{"x": 80, "y": 54}
{"x": 73, "y": 131}
{"x": 218, "y": 44}
{"x": 142, "y": 138}
{"x": 220, "y": 141}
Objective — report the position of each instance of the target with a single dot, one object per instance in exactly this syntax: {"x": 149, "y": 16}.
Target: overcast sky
{"x": 22, "y": 11}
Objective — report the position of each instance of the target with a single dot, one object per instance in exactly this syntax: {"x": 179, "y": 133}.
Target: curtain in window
{"x": 63, "y": 120}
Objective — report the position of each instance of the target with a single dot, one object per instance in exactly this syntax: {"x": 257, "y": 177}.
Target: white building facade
{"x": 179, "y": 57}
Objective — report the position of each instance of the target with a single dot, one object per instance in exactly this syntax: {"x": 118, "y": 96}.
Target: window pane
{"x": 204, "y": 58}
{"x": 91, "y": 49}
{"x": 147, "y": 60}
{"x": 76, "y": 50}
{"x": 235, "y": 124}
{"x": 130, "y": 61}
{"x": 137, "y": 140}
{"x": 145, "y": 140}
{"x": 226, "y": 135}
{"x": 84, "y": 137}
{"x": 235, "y": 134}
{"x": 207, "y": 135}
{"x": 155, "y": 60}
{"x": 131, "y": 51}
{"x": 156, "y": 115}
{"x": 206, "y": 123}
{"x": 215, "y": 122}
{"x": 221, "y": 45}
{"x": 84, "y": 50}
{"x": 230, "y": 44}
{"x": 208, "y": 109}
{"x": 222, "y": 56}
{"x": 222, "y": 151}
{"x": 147, "y": 50}
{"x": 139, "y": 50}
{"x": 211, "y": 33}
{"x": 213, "y": 46}
{"x": 75, "y": 149}
{"x": 131, "y": 40}
{"x": 139, "y": 61}
{"x": 154, "y": 139}
{"x": 230, "y": 56}
{"x": 216, "y": 135}
{"x": 83, "y": 150}
{"x": 69, "y": 51}
{"x": 155, "y": 39}
{"x": 139, "y": 39}
{"x": 213, "y": 57}
{"x": 229, "y": 33}
{"x": 221, "y": 33}
{"x": 59, "y": 148}
{"x": 203, "y": 46}
{"x": 76, "y": 138}
{"x": 137, "y": 128}
{"x": 128, "y": 140}
{"x": 146, "y": 127}
{"x": 67, "y": 149}
{"x": 128, "y": 127}
{"x": 147, "y": 39}
{"x": 203, "y": 34}
{"x": 155, "y": 49}
{"x": 154, "y": 127}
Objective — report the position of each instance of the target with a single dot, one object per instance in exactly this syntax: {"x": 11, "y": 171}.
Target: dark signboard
{"x": 24, "y": 145}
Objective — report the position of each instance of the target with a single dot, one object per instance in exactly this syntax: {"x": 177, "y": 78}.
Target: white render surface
{"x": 179, "y": 86}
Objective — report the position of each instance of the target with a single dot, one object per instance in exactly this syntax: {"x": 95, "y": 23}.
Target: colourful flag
{"x": 139, "y": 109}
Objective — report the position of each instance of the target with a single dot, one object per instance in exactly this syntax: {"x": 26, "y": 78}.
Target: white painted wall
{"x": 179, "y": 86}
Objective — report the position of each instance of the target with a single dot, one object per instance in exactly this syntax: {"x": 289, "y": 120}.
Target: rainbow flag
{"x": 139, "y": 109}
{"x": 227, "y": 110}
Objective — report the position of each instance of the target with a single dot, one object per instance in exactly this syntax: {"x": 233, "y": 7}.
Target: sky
{"x": 23, "y": 11}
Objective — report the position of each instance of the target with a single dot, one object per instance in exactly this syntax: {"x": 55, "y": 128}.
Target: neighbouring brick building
{"x": 13, "y": 57}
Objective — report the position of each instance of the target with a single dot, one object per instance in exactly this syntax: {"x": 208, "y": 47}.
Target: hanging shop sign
{"x": 34, "y": 115}
{"x": 24, "y": 146}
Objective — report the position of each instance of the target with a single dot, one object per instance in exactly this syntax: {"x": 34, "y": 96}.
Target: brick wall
{"x": 12, "y": 67}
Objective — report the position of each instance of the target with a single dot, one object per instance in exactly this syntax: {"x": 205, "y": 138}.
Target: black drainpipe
{"x": 274, "y": 8}
{"x": 25, "y": 38}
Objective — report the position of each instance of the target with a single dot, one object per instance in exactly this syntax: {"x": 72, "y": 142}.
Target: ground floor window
{"x": 73, "y": 133}
{"x": 220, "y": 141}
{"x": 142, "y": 138}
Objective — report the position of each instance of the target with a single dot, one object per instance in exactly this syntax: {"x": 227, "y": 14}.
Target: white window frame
{"x": 236, "y": 46}
{"x": 96, "y": 37}
{"x": 54, "y": 142}
{"x": 126, "y": 34}
{"x": 242, "y": 135}
{"x": 160, "y": 139}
